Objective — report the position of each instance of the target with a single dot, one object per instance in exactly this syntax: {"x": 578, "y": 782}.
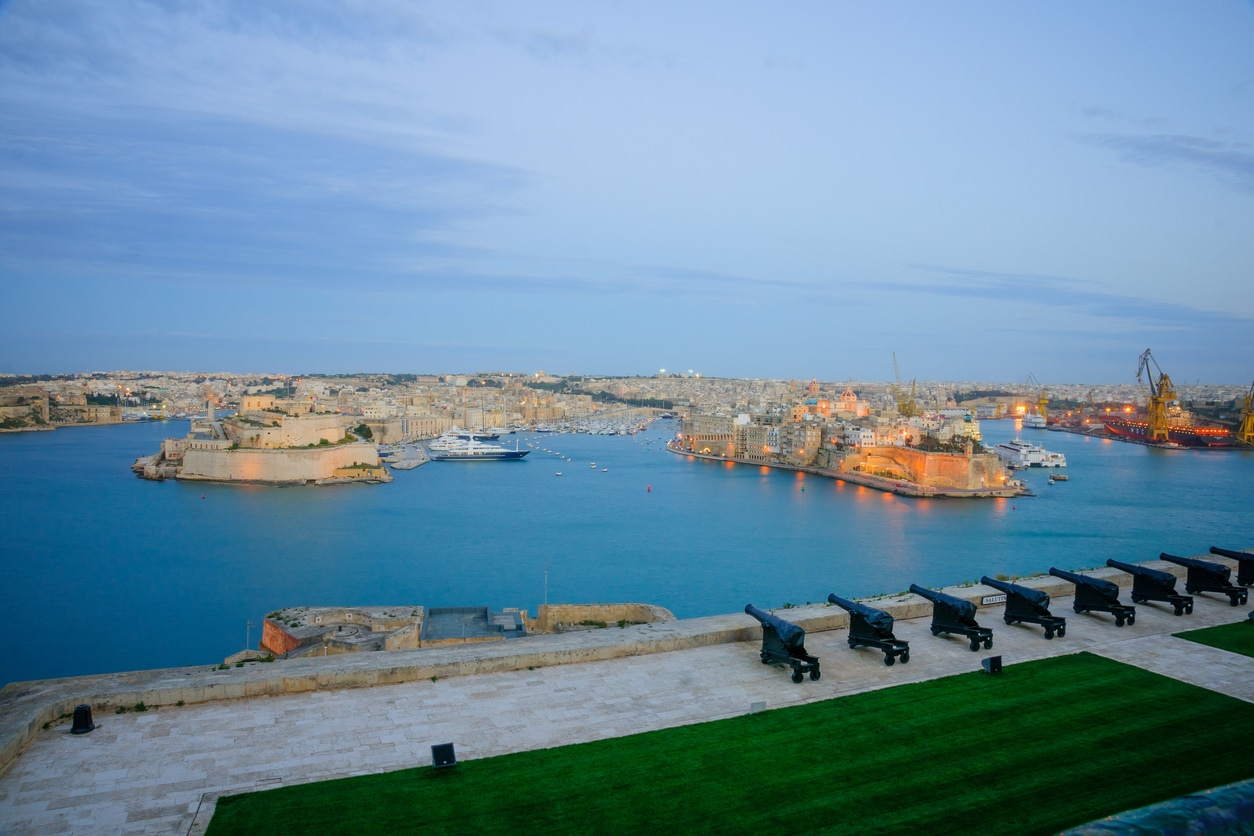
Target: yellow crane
{"x": 1245, "y": 432}
{"x": 1042, "y": 397}
{"x": 1161, "y": 394}
{"x": 907, "y": 406}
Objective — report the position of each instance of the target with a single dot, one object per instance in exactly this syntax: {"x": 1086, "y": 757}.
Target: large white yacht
{"x": 1034, "y": 421}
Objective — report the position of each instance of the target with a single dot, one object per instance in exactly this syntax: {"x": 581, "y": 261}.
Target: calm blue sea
{"x": 104, "y": 572}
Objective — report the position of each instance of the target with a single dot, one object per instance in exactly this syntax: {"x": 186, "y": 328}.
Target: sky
{"x": 988, "y": 190}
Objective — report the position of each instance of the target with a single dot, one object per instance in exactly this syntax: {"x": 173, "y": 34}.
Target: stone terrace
{"x": 161, "y": 771}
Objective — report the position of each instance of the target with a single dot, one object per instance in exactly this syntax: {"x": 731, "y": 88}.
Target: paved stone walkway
{"x": 161, "y": 771}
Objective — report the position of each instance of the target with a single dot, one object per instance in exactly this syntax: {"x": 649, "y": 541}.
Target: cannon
{"x": 872, "y": 628}
{"x": 1097, "y": 595}
{"x": 954, "y": 615}
{"x": 1030, "y": 605}
{"x": 1205, "y": 576}
{"x": 784, "y": 643}
{"x": 1245, "y": 563}
{"x": 1154, "y": 585}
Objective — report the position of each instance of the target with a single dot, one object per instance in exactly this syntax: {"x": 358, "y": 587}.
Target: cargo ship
{"x": 1180, "y": 436}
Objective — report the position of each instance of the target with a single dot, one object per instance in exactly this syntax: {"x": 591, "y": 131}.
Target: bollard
{"x": 82, "y": 720}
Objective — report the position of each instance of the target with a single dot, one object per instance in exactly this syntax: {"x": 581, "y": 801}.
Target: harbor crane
{"x": 1161, "y": 394}
{"x": 1042, "y": 397}
{"x": 1245, "y": 432}
{"x": 907, "y": 406}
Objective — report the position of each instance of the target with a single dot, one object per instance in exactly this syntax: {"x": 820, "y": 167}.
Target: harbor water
{"x": 106, "y": 572}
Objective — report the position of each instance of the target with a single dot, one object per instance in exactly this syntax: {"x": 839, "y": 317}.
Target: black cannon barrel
{"x": 790, "y": 634}
{"x": 1108, "y": 588}
{"x": 1039, "y": 600}
{"x": 1220, "y": 572}
{"x": 963, "y": 609}
{"x": 1158, "y": 575}
{"x": 1235, "y": 555}
{"x": 878, "y": 619}
{"x": 1245, "y": 563}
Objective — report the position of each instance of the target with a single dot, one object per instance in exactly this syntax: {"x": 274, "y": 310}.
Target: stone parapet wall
{"x": 275, "y": 466}
{"x": 550, "y": 618}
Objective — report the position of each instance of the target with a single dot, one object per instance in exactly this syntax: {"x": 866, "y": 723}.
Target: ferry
{"x": 1034, "y": 421}
{"x": 1018, "y": 453}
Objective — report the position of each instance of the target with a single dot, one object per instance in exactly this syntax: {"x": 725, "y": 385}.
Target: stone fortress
{"x": 268, "y": 441}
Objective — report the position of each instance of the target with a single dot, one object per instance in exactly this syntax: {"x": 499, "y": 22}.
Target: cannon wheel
{"x": 1239, "y": 598}
{"x": 1188, "y": 608}
{"x": 1049, "y": 634}
{"x": 1179, "y": 609}
{"x": 814, "y": 675}
{"x": 1062, "y": 630}
{"x": 797, "y": 676}
{"x": 1131, "y": 619}
{"x": 988, "y": 643}
{"x": 1078, "y": 610}
{"x": 1119, "y": 621}
{"x": 852, "y": 644}
{"x": 975, "y": 645}
{"x": 889, "y": 659}
{"x": 905, "y": 656}
{"x": 935, "y": 632}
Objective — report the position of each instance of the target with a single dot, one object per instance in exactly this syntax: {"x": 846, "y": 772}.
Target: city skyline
{"x": 987, "y": 192}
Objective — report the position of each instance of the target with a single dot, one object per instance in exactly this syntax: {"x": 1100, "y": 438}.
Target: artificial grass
{"x": 1237, "y": 637}
{"x": 1046, "y": 745}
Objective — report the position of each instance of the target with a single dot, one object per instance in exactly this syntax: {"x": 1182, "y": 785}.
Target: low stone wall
{"x": 26, "y": 706}
{"x": 552, "y": 618}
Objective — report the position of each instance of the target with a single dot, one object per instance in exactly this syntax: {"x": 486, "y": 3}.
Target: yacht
{"x": 1034, "y": 421}
{"x": 470, "y": 450}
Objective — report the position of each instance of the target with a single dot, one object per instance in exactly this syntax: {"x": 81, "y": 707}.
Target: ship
{"x": 1018, "y": 454}
{"x": 470, "y": 450}
{"x": 1183, "y": 435}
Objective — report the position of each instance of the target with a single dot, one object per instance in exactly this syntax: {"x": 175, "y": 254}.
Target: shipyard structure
{"x": 268, "y": 441}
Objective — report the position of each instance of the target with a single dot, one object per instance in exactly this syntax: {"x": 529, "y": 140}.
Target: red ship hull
{"x": 1183, "y": 436}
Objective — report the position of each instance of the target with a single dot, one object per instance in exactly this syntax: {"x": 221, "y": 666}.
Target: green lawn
{"x": 1046, "y": 745}
{"x": 1238, "y": 637}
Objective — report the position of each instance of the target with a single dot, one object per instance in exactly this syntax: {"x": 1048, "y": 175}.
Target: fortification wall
{"x": 275, "y": 466}
{"x": 551, "y": 618}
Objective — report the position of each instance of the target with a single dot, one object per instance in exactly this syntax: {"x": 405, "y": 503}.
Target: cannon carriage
{"x": 1024, "y": 604}
{"x": 956, "y": 616}
{"x": 1245, "y": 563}
{"x": 1204, "y": 576}
{"x": 872, "y": 628}
{"x": 1154, "y": 585}
{"x": 1097, "y": 595}
{"x": 784, "y": 643}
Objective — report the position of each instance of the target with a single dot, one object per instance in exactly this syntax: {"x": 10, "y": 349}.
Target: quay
{"x": 205, "y": 733}
{"x": 901, "y": 487}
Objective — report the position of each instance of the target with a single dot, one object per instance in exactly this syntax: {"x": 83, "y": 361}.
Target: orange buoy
{"x": 648, "y": 488}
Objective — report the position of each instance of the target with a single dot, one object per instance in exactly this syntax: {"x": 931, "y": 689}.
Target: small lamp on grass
{"x": 442, "y": 755}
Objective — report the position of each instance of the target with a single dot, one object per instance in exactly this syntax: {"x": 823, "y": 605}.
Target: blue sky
{"x": 986, "y": 189}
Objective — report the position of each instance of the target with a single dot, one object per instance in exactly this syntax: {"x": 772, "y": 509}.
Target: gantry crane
{"x": 1245, "y": 432}
{"x": 1042, "y": 397}
{"x": 1161, "y": 393}
{"x": 907, "y": 406}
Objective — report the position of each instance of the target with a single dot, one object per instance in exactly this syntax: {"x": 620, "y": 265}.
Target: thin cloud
{"x": 1032, "y": 289}
{"x": 1231, "y": 162}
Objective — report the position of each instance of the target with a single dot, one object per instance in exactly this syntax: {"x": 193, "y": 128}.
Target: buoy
{"x": 648, "y": 489}
{"x": 202, "y": 496}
